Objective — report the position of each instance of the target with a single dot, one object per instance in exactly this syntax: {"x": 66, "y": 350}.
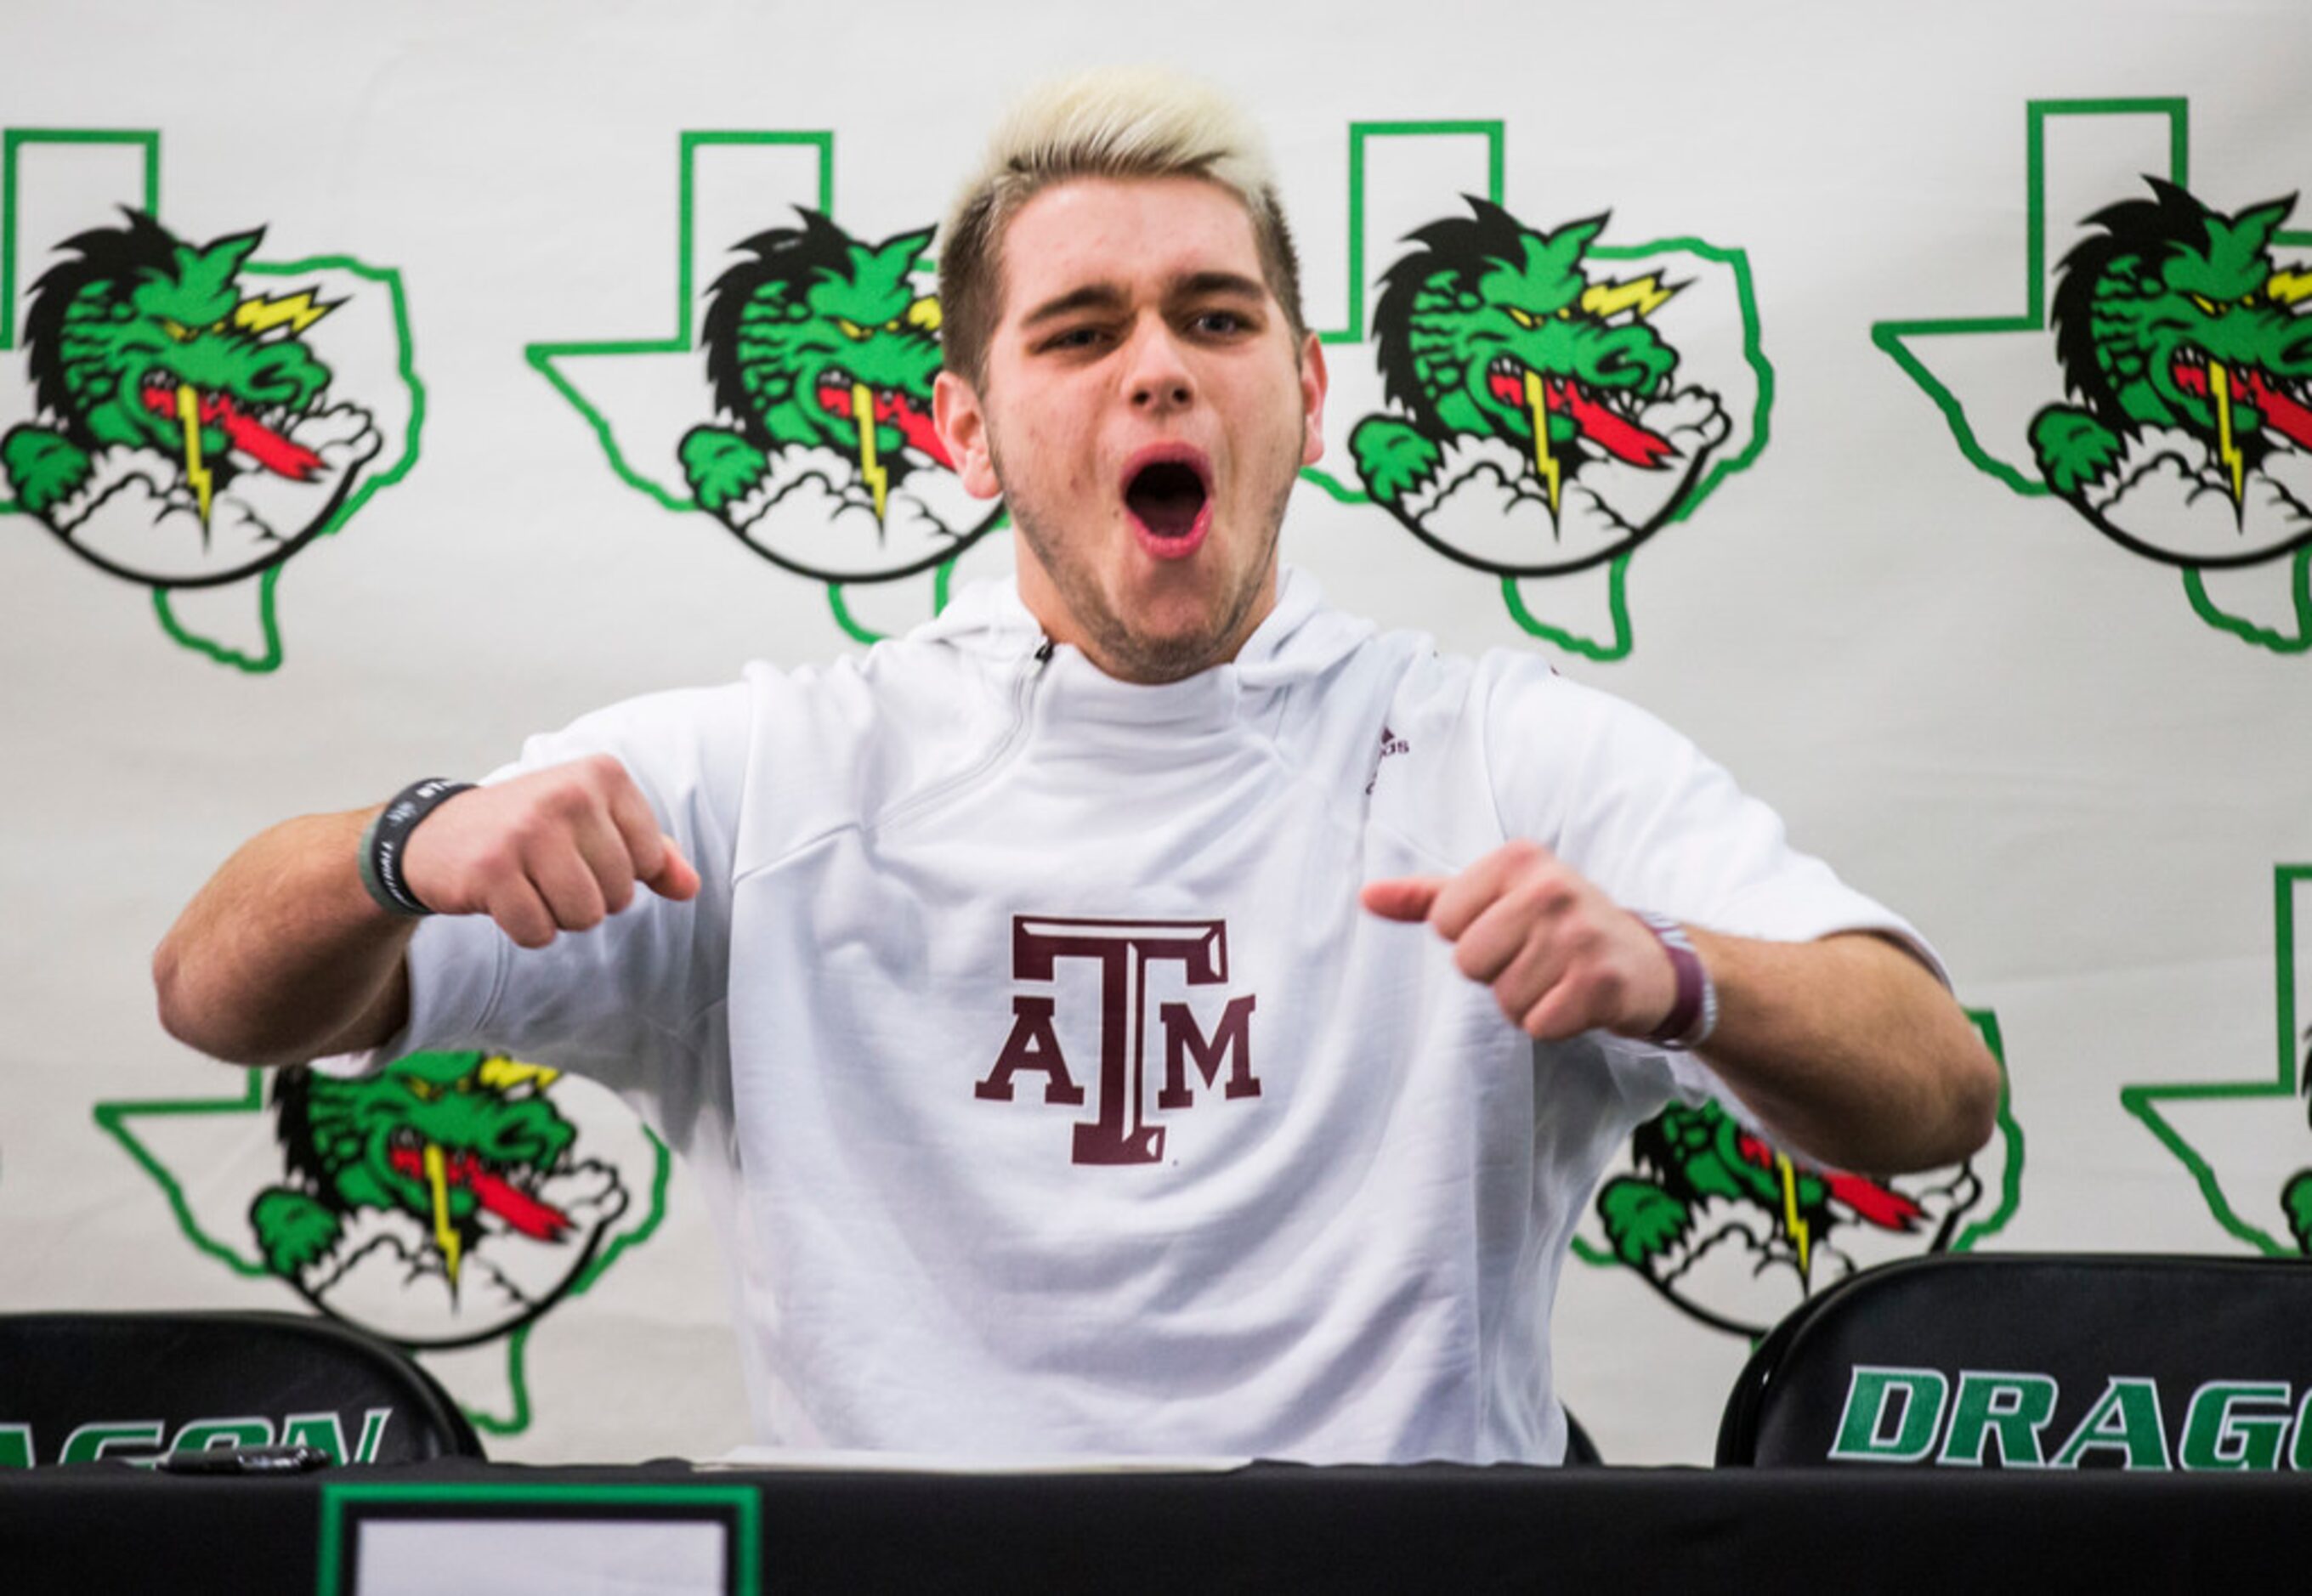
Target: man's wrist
{"x": 1694, "y": 1011}
{"x": 386, "y": 842}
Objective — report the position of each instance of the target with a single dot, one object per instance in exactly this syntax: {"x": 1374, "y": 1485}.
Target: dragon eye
{"x": 424, "y": 1090}
{"x": 1521, "y": 317}
{"x": 851, "y": 329}
{"x": 2206, "y": 304}
{"x": 176, "y": 330}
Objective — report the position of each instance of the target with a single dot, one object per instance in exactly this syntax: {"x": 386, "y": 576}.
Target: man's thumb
{"x": 1405, "y": 897}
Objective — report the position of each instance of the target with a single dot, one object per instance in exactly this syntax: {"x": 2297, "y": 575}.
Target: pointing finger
{"x": 1406, "y": 898}
{"x": 659, "y": 864}
{"x": 674, "y": 877}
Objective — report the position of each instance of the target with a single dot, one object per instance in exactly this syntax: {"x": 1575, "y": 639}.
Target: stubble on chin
{"x": 1132, "y": 655}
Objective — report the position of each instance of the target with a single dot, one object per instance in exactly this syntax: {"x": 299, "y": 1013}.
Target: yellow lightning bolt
{"x": 863, "y": 411}
{"x": 297, "y": 312}
{"x": 2287, "y": 288}
{"x": 446, "y": 1234}
{"x": 1538, "y": 405}
{"x": 1644, "y": 294}
{"x": 2220, "y": 388}
{"x": 1791, "y": 1220}
{"x": 189, "y": 413}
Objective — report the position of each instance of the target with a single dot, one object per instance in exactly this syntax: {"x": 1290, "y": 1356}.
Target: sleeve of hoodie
{"x": 1655, "y": 823}
{"x": 631, "y": 999}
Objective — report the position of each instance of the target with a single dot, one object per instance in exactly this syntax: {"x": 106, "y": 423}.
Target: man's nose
{"x": 1159, "y": 378}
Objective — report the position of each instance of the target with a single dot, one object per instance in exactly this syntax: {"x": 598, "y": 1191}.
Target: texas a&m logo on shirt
{"x": 1125, "y": 951}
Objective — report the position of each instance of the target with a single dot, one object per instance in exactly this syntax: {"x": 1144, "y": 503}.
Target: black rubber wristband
{"x": 382, "y": 844}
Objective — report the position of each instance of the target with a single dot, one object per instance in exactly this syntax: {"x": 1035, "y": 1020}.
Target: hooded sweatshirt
{"x": 1049, "y": 1089}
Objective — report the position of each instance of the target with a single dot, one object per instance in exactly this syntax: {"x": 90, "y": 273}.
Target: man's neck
{"x": 1131, "y": 658}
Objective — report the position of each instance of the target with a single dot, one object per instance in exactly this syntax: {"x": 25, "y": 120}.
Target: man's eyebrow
{"x": 1202, "y": 285}
{"x": 1092, "y": 296}
{"x": 1110, "y": 296}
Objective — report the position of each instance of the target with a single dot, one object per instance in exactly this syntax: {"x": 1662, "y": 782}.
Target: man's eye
{"x": 1074, "y": 337}
{"x": 1219, "y": 322}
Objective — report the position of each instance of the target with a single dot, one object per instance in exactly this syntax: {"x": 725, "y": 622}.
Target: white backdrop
{"x": 2082, "y": 767}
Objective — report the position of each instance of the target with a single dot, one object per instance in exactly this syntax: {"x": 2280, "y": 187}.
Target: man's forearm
{"x": 1851, "y": 1049}
{"x": 282, "y": 956}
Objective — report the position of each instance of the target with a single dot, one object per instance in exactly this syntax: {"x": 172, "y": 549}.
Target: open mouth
{"x": 262, "y": 436}
{"x": 1607, "y": 416}
{"x": 508, "y": 1190}
{"x": 2283, "y": 402}
{"x": 838, "y": 390}
{"x": 1168, "y": 494}
{"x": 1167, "y": 497}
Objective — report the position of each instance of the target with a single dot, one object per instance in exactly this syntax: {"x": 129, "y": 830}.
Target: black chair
{"x": 1990, "y": 1360}
{"x": 77, "y": 1387}
{"x": 1581, "y": 1451}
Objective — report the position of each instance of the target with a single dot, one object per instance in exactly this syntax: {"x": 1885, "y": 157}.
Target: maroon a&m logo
{"x": 1119, "y": 1131}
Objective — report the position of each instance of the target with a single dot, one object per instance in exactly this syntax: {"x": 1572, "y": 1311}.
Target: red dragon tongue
{"x": 1876, "y": 1204}
{"x": 268, "y": 448}
{"x": 922, "y": 435}
{"x": 1624, "y": 440}
{"x": 893, "y": 408}
{"x": 538, "y": 1220}
{"x": 2292, "y": 420}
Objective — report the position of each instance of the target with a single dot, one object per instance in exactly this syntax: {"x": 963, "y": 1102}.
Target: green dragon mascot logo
{"x": 1737, "y": 1231}
{"x": 439, "y": 1201}
{"x": 1710, "y": 1213}
{"x": 189, "y": 431}
{"x": 1543, "y": 427}
{"x": 2182, "y": 341}
{"x": 821, "y": 351}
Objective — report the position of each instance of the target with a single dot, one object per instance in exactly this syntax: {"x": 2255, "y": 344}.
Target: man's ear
{"x": 1312, "y": 400}
{"x": 962, "y": 428}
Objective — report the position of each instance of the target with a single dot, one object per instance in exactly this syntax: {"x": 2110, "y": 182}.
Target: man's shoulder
{"x": 821, "y": 713}
{"x": 1426, "y": 679}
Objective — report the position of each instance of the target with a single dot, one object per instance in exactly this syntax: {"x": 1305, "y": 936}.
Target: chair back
{"x": 2019, "y": 1360}
{"x": 75, "y": 1386}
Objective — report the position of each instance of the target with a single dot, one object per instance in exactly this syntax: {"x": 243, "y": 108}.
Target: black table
{"x": 1271, "y": 1527}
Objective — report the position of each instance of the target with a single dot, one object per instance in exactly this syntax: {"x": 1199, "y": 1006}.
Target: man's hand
{"x": 283, "y": 957}
{"x": 1847, "y": 1047}
{"x": 1561, "y": 957}
{"x": 555, "y": 850}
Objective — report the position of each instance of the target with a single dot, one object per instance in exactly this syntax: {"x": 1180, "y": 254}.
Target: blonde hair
{"x": 1120, "y": 122}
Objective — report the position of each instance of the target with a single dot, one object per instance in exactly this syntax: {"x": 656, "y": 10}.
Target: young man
{"x": 1042, "y": 1000}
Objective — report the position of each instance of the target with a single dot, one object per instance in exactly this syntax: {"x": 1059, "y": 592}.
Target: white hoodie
{"x": 1051, "y": 1090}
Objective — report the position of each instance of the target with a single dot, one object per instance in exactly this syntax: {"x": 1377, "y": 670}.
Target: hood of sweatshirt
{"x": 1300, "y": 638}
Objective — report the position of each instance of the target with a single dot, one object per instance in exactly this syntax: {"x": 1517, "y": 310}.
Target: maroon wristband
{"x": 1694, "y": 1013}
